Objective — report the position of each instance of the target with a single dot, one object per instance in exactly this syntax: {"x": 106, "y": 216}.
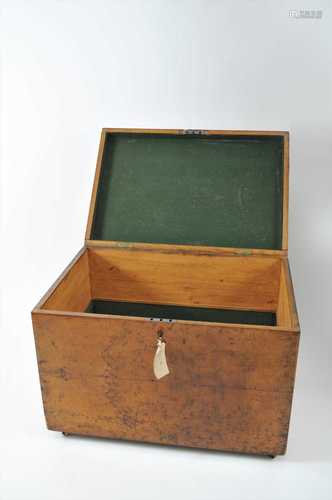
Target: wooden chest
{"x": 185, "y": 249}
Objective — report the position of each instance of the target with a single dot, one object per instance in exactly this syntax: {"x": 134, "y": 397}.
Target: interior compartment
{"x": 175, "y": 284}
{"x": 195, "y": 204}
{"x": 171, "y": 313}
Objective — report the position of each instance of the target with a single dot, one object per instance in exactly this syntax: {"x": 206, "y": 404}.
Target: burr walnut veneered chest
{"x": 176, "y": 322}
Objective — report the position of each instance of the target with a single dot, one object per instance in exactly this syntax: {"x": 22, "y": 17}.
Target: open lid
{"x": 191, "y": 187}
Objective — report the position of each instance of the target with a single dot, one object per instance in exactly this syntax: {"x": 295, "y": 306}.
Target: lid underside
{"x": 222, "y": 190}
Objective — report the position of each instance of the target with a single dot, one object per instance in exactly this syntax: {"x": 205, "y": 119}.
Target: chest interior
{"x": 177, "y": 286}
{"x": 183, "y": 199}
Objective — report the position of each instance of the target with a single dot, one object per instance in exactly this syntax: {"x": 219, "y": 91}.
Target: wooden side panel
{"x": 228, "y": 388}
{"x": 286, "y": 311}
{"x": 294, "y": 319}
{"x": 283, "y": 311}
{"x": 73, "y": 291}
{"x": 185, "y": 279}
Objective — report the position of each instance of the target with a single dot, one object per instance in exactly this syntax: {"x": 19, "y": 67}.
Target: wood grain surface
{"x": 229, "y": 388}
{"x": 182, "y": 279}
{"x": 72, "y": 293}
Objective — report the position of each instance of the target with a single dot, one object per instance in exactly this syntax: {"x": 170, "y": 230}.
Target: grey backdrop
{"x": 70, "y": 68}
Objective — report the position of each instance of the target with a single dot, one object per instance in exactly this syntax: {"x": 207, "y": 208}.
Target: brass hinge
{"x": 190, "y": 131}
{"x": 161, "y": 320}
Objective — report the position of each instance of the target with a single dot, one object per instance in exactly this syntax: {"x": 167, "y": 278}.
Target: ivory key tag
{"x": 160, "y": 367}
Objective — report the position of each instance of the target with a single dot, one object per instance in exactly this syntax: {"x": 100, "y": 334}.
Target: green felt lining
{"x": 181, "y": 313}
{"x": 185, "y": 189}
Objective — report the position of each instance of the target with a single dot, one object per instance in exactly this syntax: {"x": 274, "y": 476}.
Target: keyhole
{"x": 160, "y": 335}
